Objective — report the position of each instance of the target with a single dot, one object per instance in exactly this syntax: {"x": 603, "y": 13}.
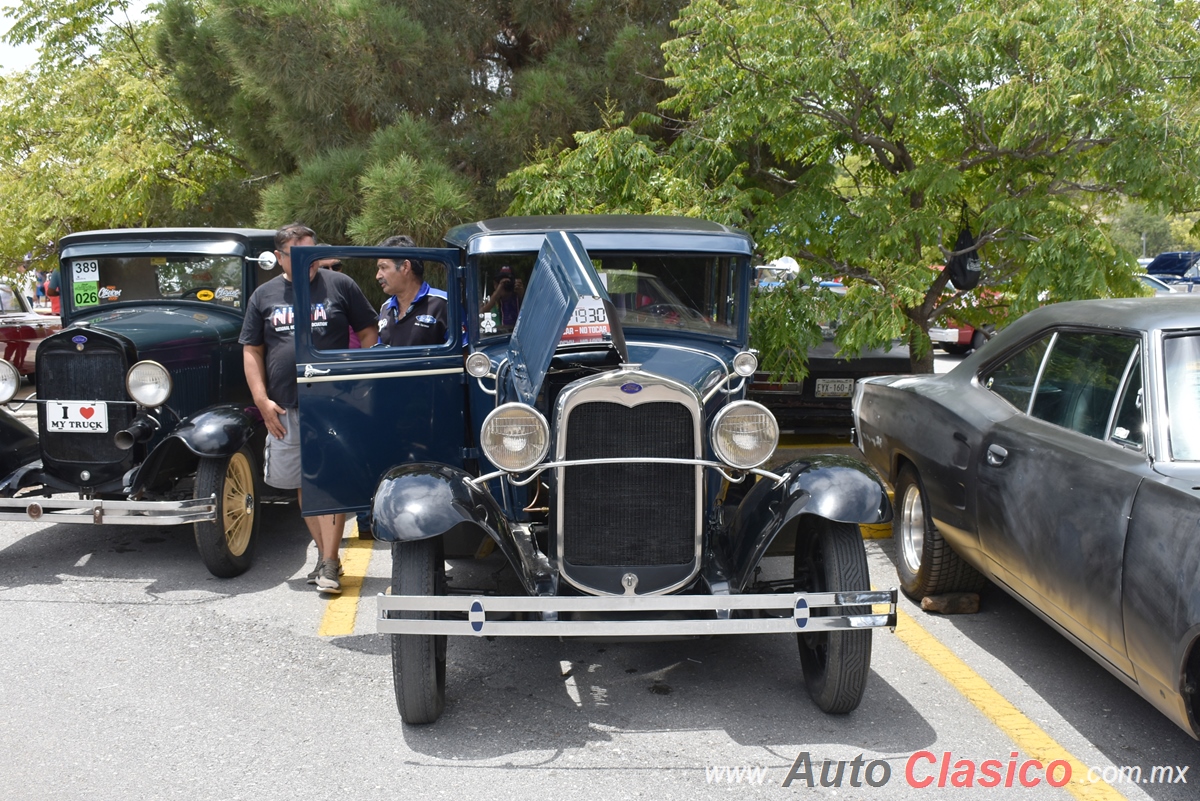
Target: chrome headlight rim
{"x": 536, "y": 417}
{"x": 478, "y": 365}
{"x": 10, "y": 380}
{"x": 745, "y": 363}
{"x": 716, "y": 440}
{"x": 149, "y": 401}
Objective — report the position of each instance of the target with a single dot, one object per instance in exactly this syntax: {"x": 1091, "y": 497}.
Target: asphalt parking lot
{"x": 130, "y": 673}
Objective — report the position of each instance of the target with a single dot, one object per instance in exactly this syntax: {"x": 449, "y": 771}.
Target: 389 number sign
{"x": 84, "y": 270}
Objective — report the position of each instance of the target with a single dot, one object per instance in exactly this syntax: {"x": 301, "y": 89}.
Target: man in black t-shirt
{"x": 415, "y": 314}
{"x": 269, "y": 359}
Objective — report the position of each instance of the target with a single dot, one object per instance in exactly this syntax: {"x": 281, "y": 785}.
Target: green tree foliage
{"x": 93, "y": 136}
{"x": 368, "y": 118}
{"x": 855, "y": 136}
{"x": 1136, "y": 225}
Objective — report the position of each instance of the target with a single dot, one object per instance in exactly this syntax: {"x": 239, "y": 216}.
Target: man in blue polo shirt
{"x": 415, "y": 314}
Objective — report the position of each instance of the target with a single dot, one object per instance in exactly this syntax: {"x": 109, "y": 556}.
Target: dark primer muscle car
{"x": 591, "y": 427}
{"x": 1062, "y": 461}
{"x": 143, "y": 411}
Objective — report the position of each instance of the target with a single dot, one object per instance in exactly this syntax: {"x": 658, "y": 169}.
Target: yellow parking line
{"x": 1029, "y": 737}
{"x": 342, "y": 610}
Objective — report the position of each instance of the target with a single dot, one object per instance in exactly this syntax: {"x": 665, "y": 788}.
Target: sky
{"x": 13, "y": 59}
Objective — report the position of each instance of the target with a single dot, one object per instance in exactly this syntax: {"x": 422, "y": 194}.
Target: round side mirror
{"x": 266, "y": 260}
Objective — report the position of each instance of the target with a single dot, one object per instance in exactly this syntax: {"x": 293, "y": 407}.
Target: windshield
{"x": 1182, "y": 367}
{"x": 95, "y": 281}
{"x": 671, "y": 292}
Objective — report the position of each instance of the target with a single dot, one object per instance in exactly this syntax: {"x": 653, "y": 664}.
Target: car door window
{"x": 1080, "y": 381}
{"x": 1129, "y": 426}
{"x": 1014, "y": 378}
{"x": 1181, "y": 366}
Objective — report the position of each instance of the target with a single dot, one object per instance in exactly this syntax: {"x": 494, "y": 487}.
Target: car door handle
{"x": 996, "y": 455}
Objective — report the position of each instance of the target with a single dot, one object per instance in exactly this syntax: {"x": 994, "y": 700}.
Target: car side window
{"x": 1080, "y": 381}
{"x": 1129, "y": 426}
{"x": 1014, "y": 379}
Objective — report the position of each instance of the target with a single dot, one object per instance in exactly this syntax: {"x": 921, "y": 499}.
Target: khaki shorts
{"x": 281, "y": 457}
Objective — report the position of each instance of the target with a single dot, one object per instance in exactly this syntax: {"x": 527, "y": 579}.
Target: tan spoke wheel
{"x": 226, "y": 543}
{"x": 237, "y": 507}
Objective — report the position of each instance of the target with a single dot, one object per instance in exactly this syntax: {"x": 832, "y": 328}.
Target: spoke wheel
{"x": 830, "y": 558}
{"x": 419, "y": 660}
{"x": 226, "y": 544}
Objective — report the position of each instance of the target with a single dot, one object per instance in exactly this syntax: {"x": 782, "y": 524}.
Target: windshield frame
{"x": 169, "y": 249}
{"x": 735, "y": 271}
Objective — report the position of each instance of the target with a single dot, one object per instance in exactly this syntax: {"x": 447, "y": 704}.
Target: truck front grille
{"x": 97, "y": 374}
{"x": 629, "y": 514}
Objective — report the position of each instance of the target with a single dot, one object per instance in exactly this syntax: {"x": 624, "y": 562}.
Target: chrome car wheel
{"x": 912, "y": 528}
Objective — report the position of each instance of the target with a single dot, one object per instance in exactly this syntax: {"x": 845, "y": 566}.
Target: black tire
{"x": 830, "y": 557}
{"x": 419, "y": 660}
{"x": 978, "y": 339}
{"x": 956, "y": 350}
{"x": 227, "y": 544}
{"x": 925, "y": 563}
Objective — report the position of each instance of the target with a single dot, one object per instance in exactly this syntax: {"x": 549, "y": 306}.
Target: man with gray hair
{"x": 268, "y": 340}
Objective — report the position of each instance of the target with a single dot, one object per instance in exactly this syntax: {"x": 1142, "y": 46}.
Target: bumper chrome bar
{"x": 640, "y": 616}
{"x": 125, "y": 513}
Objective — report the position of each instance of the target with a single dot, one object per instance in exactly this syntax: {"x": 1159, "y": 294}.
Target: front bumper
{"x": 635, "y": 616}
{"x": 125, "y": 513}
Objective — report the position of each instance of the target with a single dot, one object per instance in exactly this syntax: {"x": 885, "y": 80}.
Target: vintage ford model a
{"x": 596, "y": 435}
{"x": 142, "y": 406}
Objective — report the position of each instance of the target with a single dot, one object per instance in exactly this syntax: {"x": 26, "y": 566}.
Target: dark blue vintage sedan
{"x": 591, "y": 426}
{"x": 1062, "y": 461}
{"x": 143, "y": 411}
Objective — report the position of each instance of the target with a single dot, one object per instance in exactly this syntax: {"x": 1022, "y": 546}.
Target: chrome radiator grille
{"x": 629, "y": 514}
{"x": 97, "y": 374}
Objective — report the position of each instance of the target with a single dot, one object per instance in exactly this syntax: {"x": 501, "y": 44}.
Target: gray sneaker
{"x": 327, "y": 581}
{"x": 316, "y": 571}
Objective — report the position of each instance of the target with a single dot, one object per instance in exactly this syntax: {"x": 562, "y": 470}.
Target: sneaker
{"x": 327, "y": 581}
{"x": 312, "y": 577}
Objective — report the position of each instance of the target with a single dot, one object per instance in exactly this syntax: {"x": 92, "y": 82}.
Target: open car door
{"x": 363, "y": 411}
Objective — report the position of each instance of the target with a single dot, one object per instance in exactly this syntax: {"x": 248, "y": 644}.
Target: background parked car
{"x": 22, "y": 330}
{"x": 142, "y": 405}
{"x": 820, "y": 404}
{"x": 1062, "y": 461}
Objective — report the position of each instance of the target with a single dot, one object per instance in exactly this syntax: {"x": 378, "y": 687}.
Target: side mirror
{"x": 266, "y": 260}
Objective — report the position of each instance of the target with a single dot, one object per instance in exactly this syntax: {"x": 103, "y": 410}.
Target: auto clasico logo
{"x": 924, "y": 769}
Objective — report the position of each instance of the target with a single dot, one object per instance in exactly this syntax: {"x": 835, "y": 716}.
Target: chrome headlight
{"x": 148, "y": 383}
{"x": 745, "y": 363}
{"x": 478, "y": 365}
{"x": 10, "y": 381}
{"x": 515, "y": 437}
{"x": 744, "y": 434}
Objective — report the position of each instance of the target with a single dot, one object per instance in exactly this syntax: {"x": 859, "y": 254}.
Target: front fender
{"x": 838, "y": 488}
{"x": 421, "y": 500}
{"x": 18, "y": 444}
{"x": 218, "y": 431}
{"x": 215, "y": 432}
